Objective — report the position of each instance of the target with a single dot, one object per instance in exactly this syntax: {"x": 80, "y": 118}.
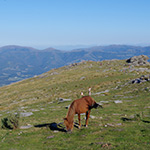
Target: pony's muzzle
{"x": 69, "y": 131}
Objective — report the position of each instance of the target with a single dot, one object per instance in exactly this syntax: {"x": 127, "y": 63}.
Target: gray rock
{"x": 92, "y": 117}
{"x": 117, "y": 101}
{"x": 106, "y": 91}
{"x": 50, "y": 137}
{"x": 82, "y": 78}
{"x": 26, "y": 127}
{"x": 138, "y": 60}
{"x": 105, "y": 102}
{"x": 54, "y": 73}
{"x": 26, "y": 114}
{"x": 63, "y": 100}
{"x": 34, "y": 110}
{"x": 143, "y": 78}
{"x": 119, "y": 124}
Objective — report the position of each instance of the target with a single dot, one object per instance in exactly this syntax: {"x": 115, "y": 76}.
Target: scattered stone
{"x": 26, "y": 127}
{"x": 82, "y": 78}
{"x": 128, "y": 101}
{"x": 105, "y": 102}
{"x": 50, "y": 137}
{"x": 106, "y": 91}
{"x": 116, "y": 114}
{"x": 24, "y": 107}
{"x": 72, "y": 65}
{"x": 34, "y": 110}
{"x": 139, "y": 70}
{"x": 26, "y": 114}
{"x": 50, "y": 102}
{"x": 42, "y": 76}
{"x": 105, "y": 70}
{"x": 117, "y": 101}
{"x": 19, "y": 133}
{"x": 92, "y": 117}
{"x": 63, "y": 100}
{"x": 109, "y": 124}
{"x": 147, "y": 107}
{"x": 54, "y": 73}
{"x": 117, "y": 96}
{"x": 112, "y": 125}
{"x": 128, "y": 96}
{"x": 119, "y": 124}
{"x": 143, "y": 78}
{"x": 132, "y": 116}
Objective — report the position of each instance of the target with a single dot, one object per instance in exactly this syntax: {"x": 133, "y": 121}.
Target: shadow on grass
{"x": 134, "y": 119}
{"x": 145, "y": 121}
{"x": 126, "y": 119}
{"x": 76, "y": 125}
{"x": 52, "y": 126}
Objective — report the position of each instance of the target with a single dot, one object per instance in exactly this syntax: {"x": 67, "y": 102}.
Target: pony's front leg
{"x": 79, "y": 121}
{"x": 87, "y": 117}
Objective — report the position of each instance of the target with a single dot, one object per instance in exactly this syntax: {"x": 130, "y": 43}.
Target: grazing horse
{"x": 78, "y": 106}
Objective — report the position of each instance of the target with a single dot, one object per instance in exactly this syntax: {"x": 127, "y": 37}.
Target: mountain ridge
{"x": 21, "y": 62}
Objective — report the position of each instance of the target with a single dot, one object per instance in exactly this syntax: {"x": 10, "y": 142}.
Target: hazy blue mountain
{"x": 17, "y": 62}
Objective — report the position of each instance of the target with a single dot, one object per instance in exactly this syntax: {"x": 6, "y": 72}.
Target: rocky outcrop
{"x": 143, "y": 78}
{"x": 138, "y": 60}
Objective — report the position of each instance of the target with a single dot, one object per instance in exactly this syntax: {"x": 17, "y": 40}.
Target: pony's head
{"x": 69, "y": 125}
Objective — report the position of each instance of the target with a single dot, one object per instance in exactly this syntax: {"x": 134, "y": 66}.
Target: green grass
{"x": 117, "y": 126}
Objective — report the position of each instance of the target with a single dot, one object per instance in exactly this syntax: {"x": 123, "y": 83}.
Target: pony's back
{"x": 83, "y": 104}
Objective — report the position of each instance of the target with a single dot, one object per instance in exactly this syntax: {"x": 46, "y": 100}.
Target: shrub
{"x": 11, "y": 122}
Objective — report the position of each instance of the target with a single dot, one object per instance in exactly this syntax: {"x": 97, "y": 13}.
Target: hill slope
{"x": 19, "y": 63}
{"x": 123, "y": 123}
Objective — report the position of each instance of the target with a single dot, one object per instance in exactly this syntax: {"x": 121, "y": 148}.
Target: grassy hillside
{"x": 123, "y": 123}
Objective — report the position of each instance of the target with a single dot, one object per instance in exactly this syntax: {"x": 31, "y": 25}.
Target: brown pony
{"x": 82, "y": 105}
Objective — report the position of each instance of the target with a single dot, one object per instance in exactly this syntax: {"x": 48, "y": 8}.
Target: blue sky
{"x": 46, "y": 23}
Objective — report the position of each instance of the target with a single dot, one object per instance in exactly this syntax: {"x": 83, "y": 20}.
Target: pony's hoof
{"x": 86, "y": 126}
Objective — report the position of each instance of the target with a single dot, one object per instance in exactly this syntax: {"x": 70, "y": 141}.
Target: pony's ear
{"x": 89, "y": 91}
{"x": 81, "y": 93}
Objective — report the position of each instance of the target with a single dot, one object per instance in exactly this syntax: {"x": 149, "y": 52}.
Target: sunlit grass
{"x": 107, "y": 130}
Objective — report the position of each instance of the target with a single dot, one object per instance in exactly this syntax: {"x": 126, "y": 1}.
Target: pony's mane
{"x": 89, "y": 100}
{"x": 71, "y": 112}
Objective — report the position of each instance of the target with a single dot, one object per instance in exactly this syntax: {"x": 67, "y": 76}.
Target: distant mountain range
{"x": 17, "y": 62}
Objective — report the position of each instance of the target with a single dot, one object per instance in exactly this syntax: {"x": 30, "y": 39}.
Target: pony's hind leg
{"x": 87, "y": 117}
{"x": 79, "y": 121}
